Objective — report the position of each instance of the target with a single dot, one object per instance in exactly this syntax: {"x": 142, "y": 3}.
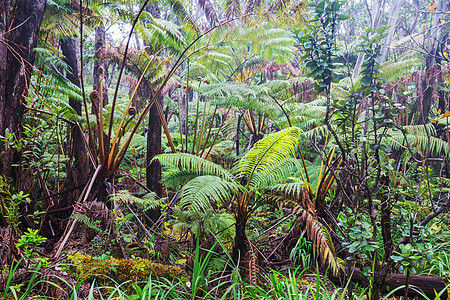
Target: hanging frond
{"x": 296, "y": 196}
{"x": 54, "y": 82}
{"x": 210, "y": 12}
{"x": 199, "y": 192}
{"x": 181, "y": 12}
{"x": 186, "y": 161}
{"x": 254, "y": 6}
{"x": 232, "y": 9}
{"x": 271, "y": 149}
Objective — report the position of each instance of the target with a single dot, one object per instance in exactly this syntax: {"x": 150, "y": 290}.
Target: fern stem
{"x": 116, "y": 91}
{"x": 209, "y": 131}
{"x": 218, "y": 131}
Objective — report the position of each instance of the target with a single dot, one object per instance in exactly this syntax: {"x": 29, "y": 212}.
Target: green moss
{"x": 121, "y": 270}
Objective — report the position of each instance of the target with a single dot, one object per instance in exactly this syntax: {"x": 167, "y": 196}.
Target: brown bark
{"x": 240, "y": 247}
{"x": 17, "y": 60}
{"x": 79, "y": 151}
{"x": 153, "y": 173}
{"x": 68, "y": 48}
{"x": 100, "y": 43}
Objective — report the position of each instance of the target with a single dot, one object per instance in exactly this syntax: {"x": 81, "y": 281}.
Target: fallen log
{"x": 426, "y": 284}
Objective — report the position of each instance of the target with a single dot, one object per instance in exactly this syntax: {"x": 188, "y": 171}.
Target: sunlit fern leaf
{"x": 277, "y": 172}
{"x": 186, "y": 161}
{"x": 148, "y": 201}
{"x": 199, "y": 192}
{"x": 271, "y": 149}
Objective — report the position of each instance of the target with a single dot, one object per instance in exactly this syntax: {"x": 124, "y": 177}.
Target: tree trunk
{"x": 68, "y": 48}
{"x": 431, "y": 59}
{"x": 100, "y": 43}
{"x": 79, "y": 152}
{"x": 375, "y": 20}
{"x": 17, "y": 60}
{"x": 393, "y": 23}
{"x": 153, "y": 173}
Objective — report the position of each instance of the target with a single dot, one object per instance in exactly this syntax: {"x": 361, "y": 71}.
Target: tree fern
{"x": 419, "y": 137}
{"x": 404, "y": 66}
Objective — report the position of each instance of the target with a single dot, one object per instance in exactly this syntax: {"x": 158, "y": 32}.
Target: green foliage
{"x": 319, "y": 44}
{"x": 29, "y": 240}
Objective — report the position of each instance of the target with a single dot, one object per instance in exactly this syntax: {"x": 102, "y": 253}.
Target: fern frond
{"x": 274, "y": 147}
{"x": 419, "y": 140}
{"x": 277, "y": 172}
{"x": 83, "y": 219}
{"x": 148, "y": 201}
{"x": 186, "y": 161}
{"x": 295, "y": 190}
{"x": 392, "y": 70}
{"x": 178, "y": 178}
{"x": 232, "y": 9}
{"x": 181, "y": 12}
{"x": 199, "y": 192}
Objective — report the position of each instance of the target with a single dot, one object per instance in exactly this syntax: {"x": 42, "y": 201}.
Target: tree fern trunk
{"x": 240, "y": 247}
